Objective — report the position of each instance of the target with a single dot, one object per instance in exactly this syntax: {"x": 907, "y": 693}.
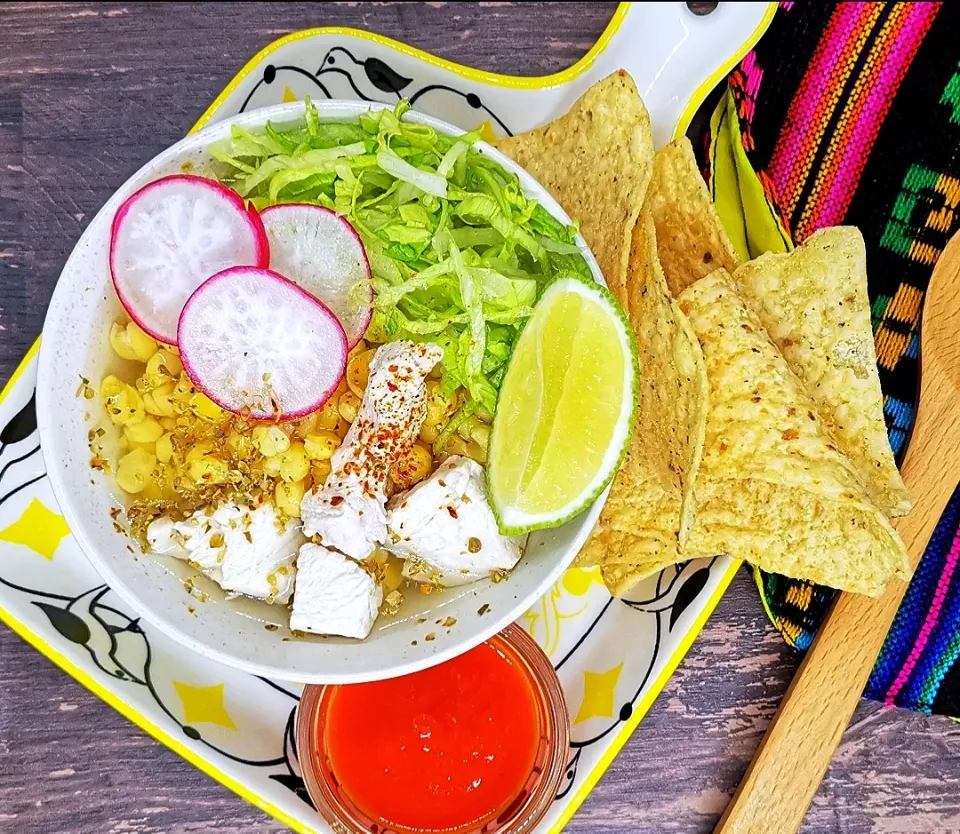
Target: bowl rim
{"x": 49, "y": 436}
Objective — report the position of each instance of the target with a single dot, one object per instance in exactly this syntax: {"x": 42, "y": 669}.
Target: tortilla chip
{"x": 813, "y": 302}
{"x": 772, "y": 487}
{"x": 691, "y": 240}
{"x": 596, "y": 161}
{"x": 649, "y": 511}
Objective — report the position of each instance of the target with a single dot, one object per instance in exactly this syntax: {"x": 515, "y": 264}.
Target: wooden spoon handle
{"x": 793, "y": 757}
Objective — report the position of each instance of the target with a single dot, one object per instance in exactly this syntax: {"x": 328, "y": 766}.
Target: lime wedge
{"x": 565, "y": 411}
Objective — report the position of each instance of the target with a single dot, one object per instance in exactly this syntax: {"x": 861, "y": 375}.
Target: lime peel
{"x": 562, "y": 428}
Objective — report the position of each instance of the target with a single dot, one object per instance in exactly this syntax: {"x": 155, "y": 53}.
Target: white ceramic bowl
{"x": 243, "y": 633}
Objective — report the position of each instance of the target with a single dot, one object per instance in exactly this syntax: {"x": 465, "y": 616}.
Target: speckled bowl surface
{"x": 243, "y": 633}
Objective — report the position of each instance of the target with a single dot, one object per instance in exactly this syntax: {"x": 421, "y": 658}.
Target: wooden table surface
{"x": 88, "y": 92}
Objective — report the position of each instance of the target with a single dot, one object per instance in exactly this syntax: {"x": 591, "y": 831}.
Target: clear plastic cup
{"x": 522, "y": 815}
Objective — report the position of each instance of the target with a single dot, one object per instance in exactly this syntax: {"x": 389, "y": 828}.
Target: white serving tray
{"x": 613, "y": 656}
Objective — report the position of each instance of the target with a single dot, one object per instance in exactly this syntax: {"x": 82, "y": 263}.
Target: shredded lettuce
{"x": 459, "y": 255}
{"x": 432, "y": 183}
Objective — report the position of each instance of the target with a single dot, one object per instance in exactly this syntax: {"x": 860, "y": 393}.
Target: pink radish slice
{"x": 321, "y": 252}
{"x": 251, "y": 339}
{"x": 172, "y": 235}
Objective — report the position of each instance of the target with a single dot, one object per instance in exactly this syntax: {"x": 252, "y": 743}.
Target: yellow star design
{"x": 204, "y": 704}
{"x": 39, "y": 529}
{"x": 288, "y": 95}
{"x": 577, "y": 581}
{"x": 599, "y": 694}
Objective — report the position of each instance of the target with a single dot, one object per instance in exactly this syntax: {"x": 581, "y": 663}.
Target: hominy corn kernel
{"x": 165, "y": 475}
{"x": 162, "y": 367}
{"x": 306, "y": 425}
{"x": 349, "y": 406}
{"x": 130, "y": 342}
{"x": 173, "y": 363}
{"x": 358, "y": 371}
{"x": 161, "y": 401}
{"x": 412, "y": 467}
{"x": 203, "y": 406}
{"x": 288, "y": 497}
{"x": 183, "y": 389}
{"x": 120, "y": 343}
{"x": 142, "y": 342}
{"x": 321, "y": 445}
{"x": 164, "y": 448}
{"x": 240, "y": 444}
{"x": 439, "y": 408}
{"x": 209, "y": 470}
{"x": 319, "y": 470}
{"x": 392, "y": 573}
{"x": 198, "y": 450}
{"x": 329, "y": 415}
{"x": 429, "y": 434}
{"x": 123, "y": 402}
{"x": 134, "y": 470}
{"x": 152, "y": 491}
{"x": 270, "y": 440}
{"x": 126, "y": 445}
{"x": 392, "y": 569}
{"x": 110, "y": 386}
{"x": 147, "y": 430}
{"x": 294, "y": 463}
{"x": 332, "y": 421}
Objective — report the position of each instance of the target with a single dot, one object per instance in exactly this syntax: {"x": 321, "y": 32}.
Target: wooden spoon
{"x": 793, "y": 757}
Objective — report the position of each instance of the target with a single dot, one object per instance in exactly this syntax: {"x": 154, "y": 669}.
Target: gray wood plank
{"x": 88, "y": 92}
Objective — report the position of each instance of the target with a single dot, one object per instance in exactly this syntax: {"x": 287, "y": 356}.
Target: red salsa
{"x": 447, "y": 749}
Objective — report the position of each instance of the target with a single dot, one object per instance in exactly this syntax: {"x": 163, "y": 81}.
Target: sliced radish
{"x": 172, "y": 235}
{"x": 251, "y": 339}
{"x": 322, "y": 252}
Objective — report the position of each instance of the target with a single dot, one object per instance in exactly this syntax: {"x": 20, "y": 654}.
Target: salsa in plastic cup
{"x": 476, "y": 744}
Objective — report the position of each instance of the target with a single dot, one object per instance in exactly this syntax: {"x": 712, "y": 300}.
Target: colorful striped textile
{"x": 840, "y": 106}
{"x": 924, "y": 644}
{"x": 850, "y": 113}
